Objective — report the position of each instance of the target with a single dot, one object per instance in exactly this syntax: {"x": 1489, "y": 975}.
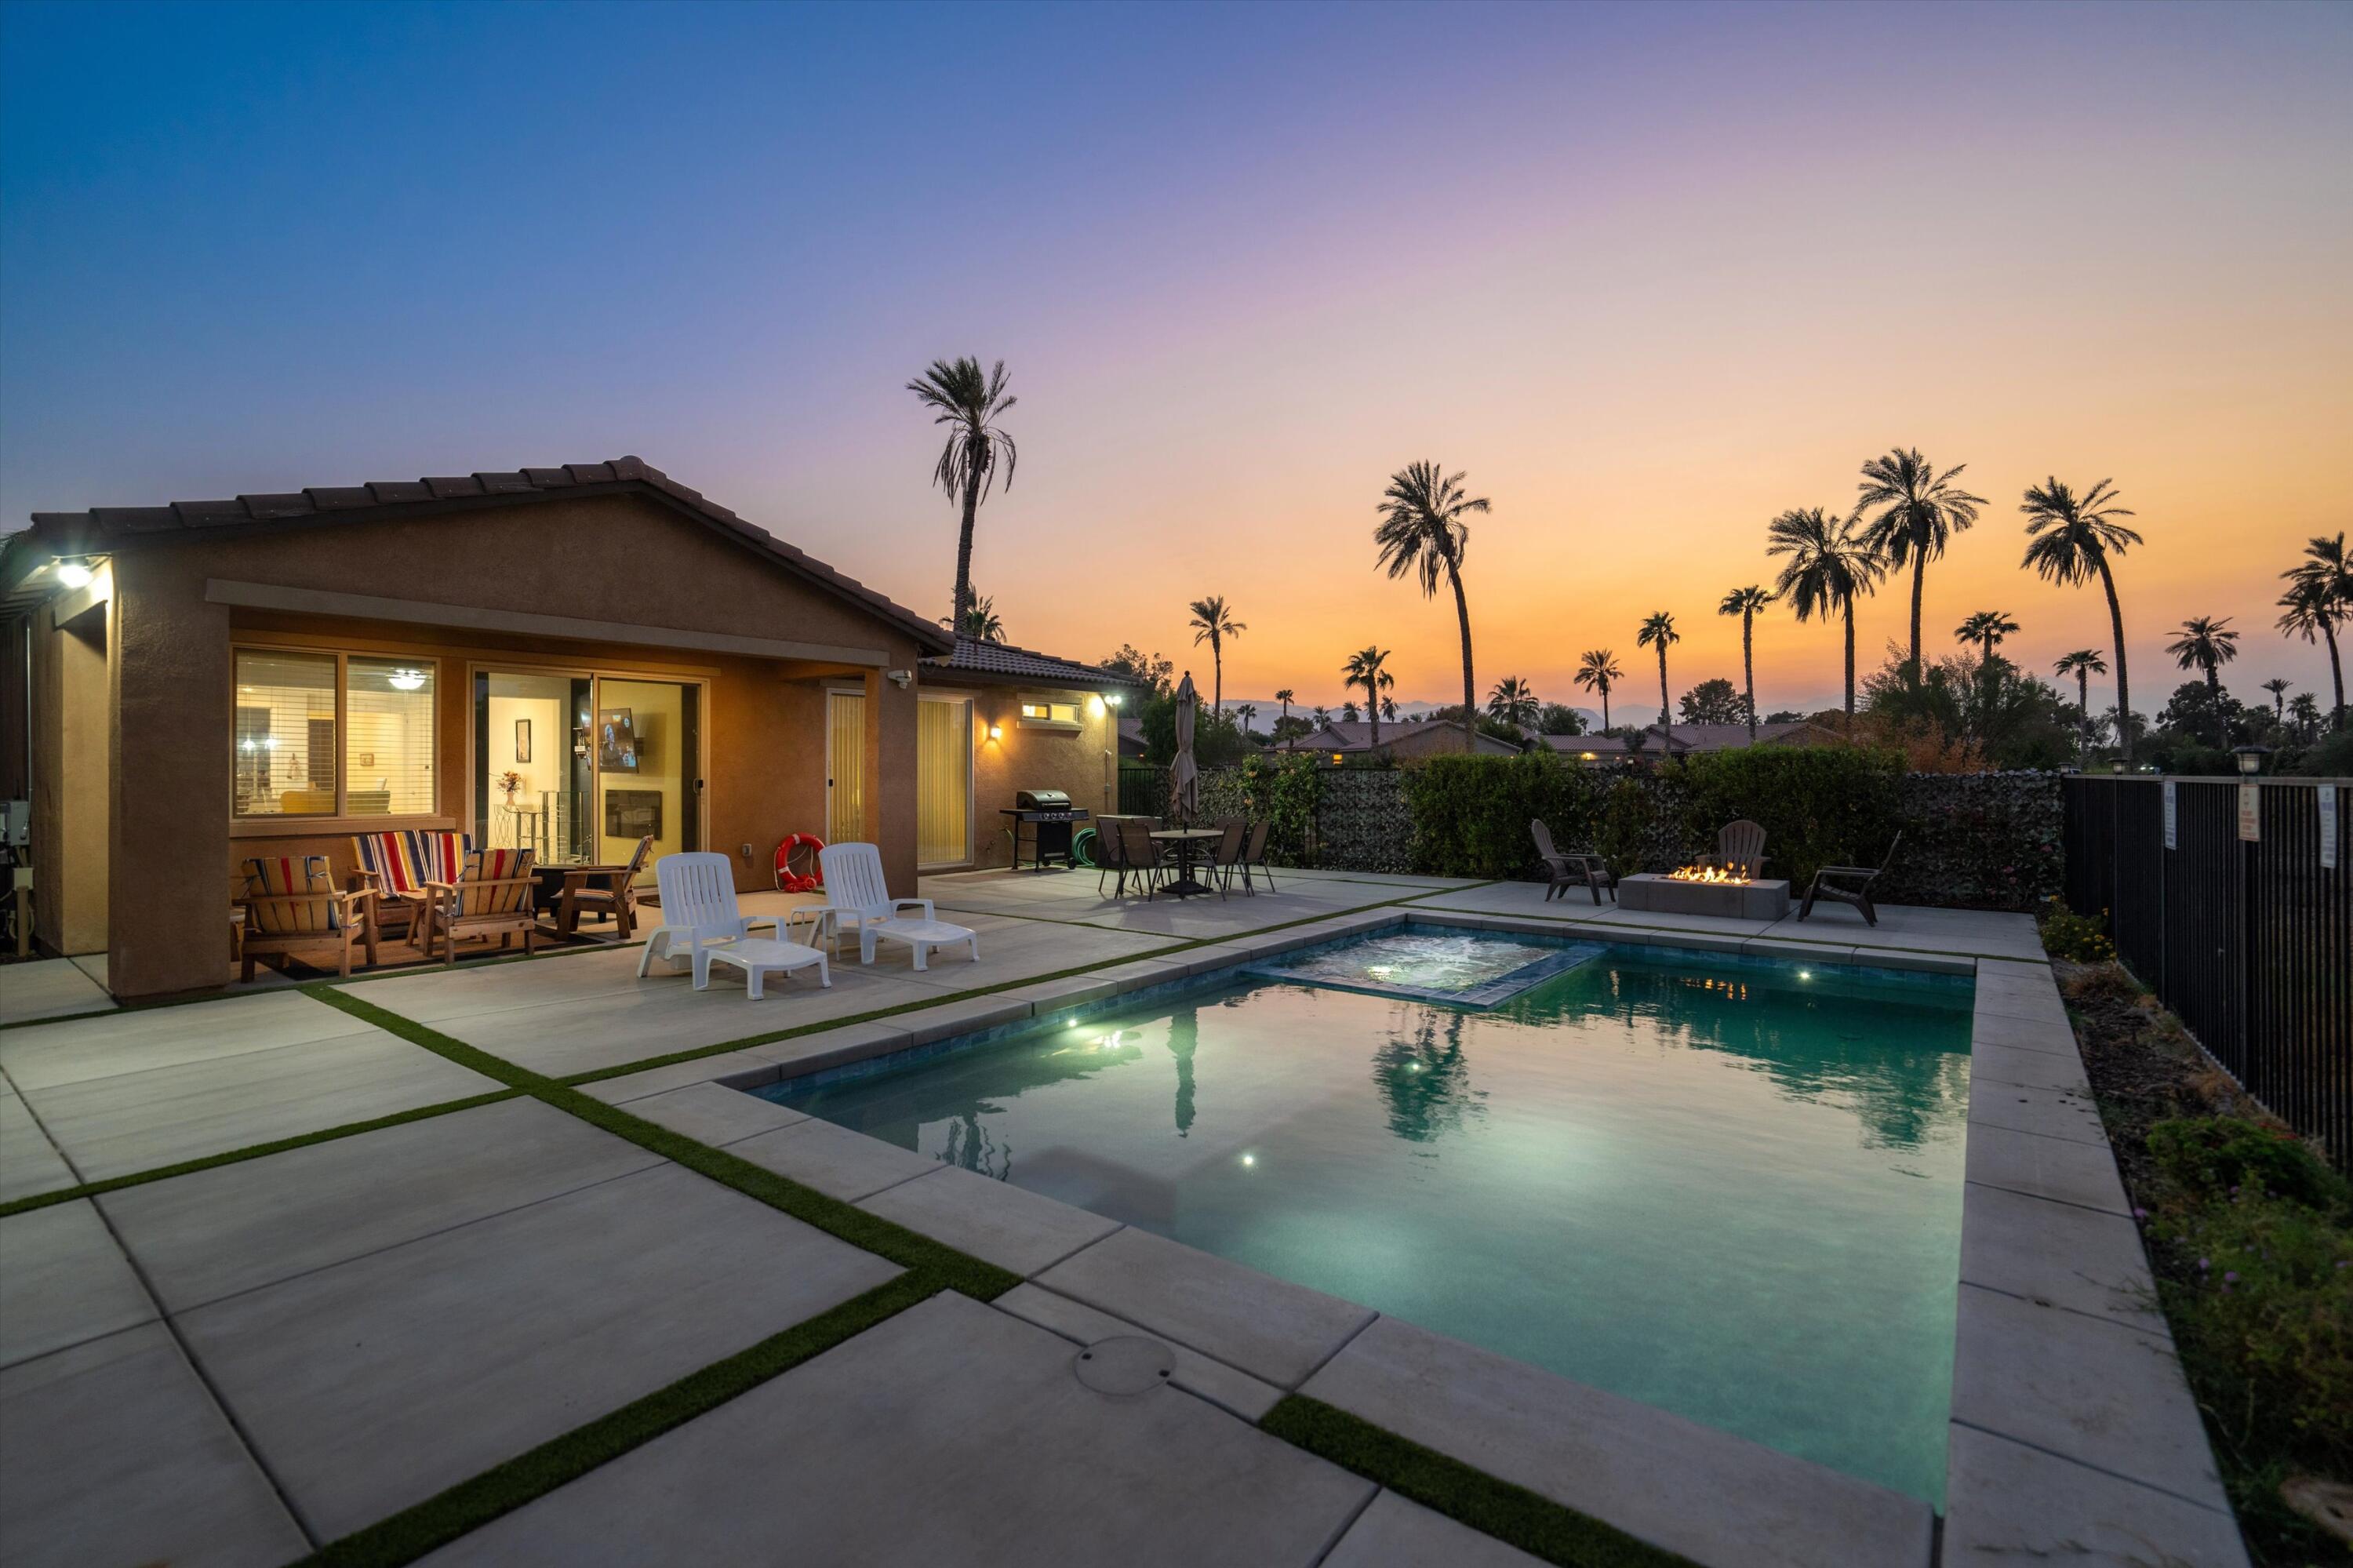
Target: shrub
{"x": 2076, "y": 938}
{"x": 1819, "y": 805}
{"x": 1470, "y": 814}
{"x": 2223, "y": 1156}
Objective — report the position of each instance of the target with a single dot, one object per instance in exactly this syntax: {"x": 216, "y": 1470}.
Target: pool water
{"x": 1727, "y": 1188}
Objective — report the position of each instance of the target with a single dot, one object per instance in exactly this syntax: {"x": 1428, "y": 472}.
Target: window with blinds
{"x": 285, "y": 740}
{"x": 845, "y": 757}
{"x": 943, "y": 781}
{"x": 387, "y": 738}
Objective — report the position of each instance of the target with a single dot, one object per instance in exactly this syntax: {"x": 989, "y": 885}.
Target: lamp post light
{"x": 2250, "y": 759}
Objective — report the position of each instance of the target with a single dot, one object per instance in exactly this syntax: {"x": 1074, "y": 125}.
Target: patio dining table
{"x": 1189, "y": 842}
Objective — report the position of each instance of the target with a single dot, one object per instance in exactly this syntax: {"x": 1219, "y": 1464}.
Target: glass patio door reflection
{"x": 649, "y": 745}
{"x": 578, "y": 767}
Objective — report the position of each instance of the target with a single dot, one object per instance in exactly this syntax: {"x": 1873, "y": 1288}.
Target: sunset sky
{"x": 1650, "y": 274}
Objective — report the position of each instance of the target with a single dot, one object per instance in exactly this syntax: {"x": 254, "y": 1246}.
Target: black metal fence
{"x": 2250, "y": 941}
{"x": 1143, "y": 789}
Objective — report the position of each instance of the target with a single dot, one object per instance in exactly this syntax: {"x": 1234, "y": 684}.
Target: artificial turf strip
{"x": 470, "y": 1504}
{"x": 252, "y": 1151}
{"x": 958, "y": 1270}
{"x": 1534, "y": 1524}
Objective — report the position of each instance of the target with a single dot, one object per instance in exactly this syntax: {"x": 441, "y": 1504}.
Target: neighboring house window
{"x": 329, "y": 735}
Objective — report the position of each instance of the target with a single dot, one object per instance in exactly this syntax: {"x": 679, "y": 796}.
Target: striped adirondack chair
{"x": 396, "y": 865}
{"x": 491, "y": 897}
{"x": 291, "y": 907}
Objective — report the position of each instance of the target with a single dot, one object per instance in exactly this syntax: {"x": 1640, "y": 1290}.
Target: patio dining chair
{"x": 1146, "y": 859}
{"x": 698, "y": 913}
{"x": 859, "y": 897}
{"x": 1228, "y": 852}
{"x": 1110, "y": 851}
{"x": 1849, "y": 885}
{"x": 1253, "y": 858}
{"x": 1588, "y": 871}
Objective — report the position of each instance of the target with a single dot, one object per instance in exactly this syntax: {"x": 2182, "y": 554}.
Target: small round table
{"x": 1189, "y": 841}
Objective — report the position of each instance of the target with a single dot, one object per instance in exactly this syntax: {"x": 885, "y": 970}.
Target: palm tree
{"x": 981, "y": 622}
{"x": 1988, "y": 629}
{"x": 1745, "y": 603}
{"x": 2072, "y": 538}
{"x": 1243, "y": 713}
{"x": 971, "y": 403}
{"x": 1214, "y": 621}
{"x": 1322, "y": 716}
{"x": 1513, "y": 702}
{"x": 1388, "y": 709}
{"x": 2320, "y": 599}
{"x": 1657, "y": 633}
{"x": 1348, "y": 714}
{"x": 1919, "y": 512}
{"x": 1421, "y": 531}
{"x": 2084, "y": 663}
{"x": 1595, "y": 671}
{"x": 2306, "y": 709}
{"x": 2204, "y": 644}
{"x": 1285, "y": 697}
{"x": 1364, "y": 668}
{"x": 1830, "y": 566}
{"x": 2278, "y": 689}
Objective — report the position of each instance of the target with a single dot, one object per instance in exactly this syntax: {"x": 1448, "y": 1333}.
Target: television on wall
{"x": 617, "y": 740}
{"x": 633, "y": 813}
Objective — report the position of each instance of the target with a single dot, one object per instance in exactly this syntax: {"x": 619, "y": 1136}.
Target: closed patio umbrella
{"x": 1184, "y": 779}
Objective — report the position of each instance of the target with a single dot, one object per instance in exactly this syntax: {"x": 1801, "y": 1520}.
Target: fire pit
{"x": 1725, "y": 892}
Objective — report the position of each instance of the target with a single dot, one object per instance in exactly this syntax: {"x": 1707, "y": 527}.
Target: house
{"x": 1688, "y": 739}
{"x": 1343, "y": 740}
{"x": 562, "y": 658}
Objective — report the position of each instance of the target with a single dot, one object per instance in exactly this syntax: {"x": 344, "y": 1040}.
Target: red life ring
{"x": 811, "y": 877}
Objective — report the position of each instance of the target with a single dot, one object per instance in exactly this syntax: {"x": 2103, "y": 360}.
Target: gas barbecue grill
{"x": 1049, "y": 814}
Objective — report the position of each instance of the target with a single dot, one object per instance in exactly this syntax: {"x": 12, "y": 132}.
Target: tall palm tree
{"x": 981, "y": 622}
{"x": 1595, "y": 671}
{"x": 1830, "y": 566}
{"x": 1285, "y": 697}
{"x": 2278, "y": 689}
{"x": 1364, "y": 668}
{"x": 1745, "y": 603}
{"x": 2205, "y": 645}
{"x": 2072, "y": 539}
{"x": 2084, "y": 663}
{"x": 1988, "y": 629}
{"x": 970, "y": 404}
{"x": 2319, "y": 600}
{"x": 1513, "y": 702}
{"x": 1243, "y": 713}
{"x": 1657, "y": 633}
{"x": 1918, "y": 511}
{"x": 1323, "y": 715}
{"x": 2306, "y": 709}
{"x": 1421, "y": 531}
{"x": 1214, "y": 621}
{"x": 1388, "y": 707}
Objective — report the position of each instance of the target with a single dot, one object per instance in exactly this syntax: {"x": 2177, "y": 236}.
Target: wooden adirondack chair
{"x": 291, "y": 908}
{"x": 1739, "y": 850}
{"x": 491, "y": 897}
{"x": 1588, "y": 871}
{"x": 1849, "y": 885}
{"x": 396, "y": 865}
{"x": 618, "y": 896}
{"x": 859, "y": 897}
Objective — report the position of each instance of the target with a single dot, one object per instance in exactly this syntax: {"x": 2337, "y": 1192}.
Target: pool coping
{"x": 2042, "y": 1457}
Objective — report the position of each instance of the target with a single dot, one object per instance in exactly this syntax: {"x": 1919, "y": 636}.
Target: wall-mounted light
{"x": 904, "y": 677}
{"x": 1114, "y": 698}
{"x": 1095, "y": 708}
{"x": 996, "y": 732}
{"x": 73, "y": 572}
{"x": 405, "y": 680}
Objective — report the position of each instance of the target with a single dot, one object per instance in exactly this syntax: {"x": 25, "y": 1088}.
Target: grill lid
{"x": 1041, "y": 800}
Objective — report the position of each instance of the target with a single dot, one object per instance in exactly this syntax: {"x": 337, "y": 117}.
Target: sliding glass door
{"x": 578, "y": 767}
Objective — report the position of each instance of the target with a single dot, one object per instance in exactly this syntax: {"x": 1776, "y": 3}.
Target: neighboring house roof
{"x": 1002, "y": 663}
{"x": 1356, "y": 734}
{"x": 1692, "y": 737}
{"x": 1131, "y": 735}
{"x": 105, "y": 529}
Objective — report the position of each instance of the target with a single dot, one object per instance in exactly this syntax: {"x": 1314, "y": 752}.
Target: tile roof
{"x": 1685, "y": 737}
{"x": 975, "y": 657}
{"x": 105, "y": 528}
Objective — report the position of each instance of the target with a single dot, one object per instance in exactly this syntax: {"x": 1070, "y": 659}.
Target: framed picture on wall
{"x": 523, "y": 740}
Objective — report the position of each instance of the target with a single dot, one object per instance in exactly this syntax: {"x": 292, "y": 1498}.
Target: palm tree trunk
{"x": 1919, "y": 582}
{"x": 1666, "y": 712}
{"x": 1605, "y": 707}
{"x": 964, "y": 549}
{"x": 1470, "y": 707}
{"x": 1748, "y": 667}
{"x": 2083, "y": 709}
{"x": 2124, "y": 686}
{"x": 2335, "y": 673}
{"x": 1373, "y": 711}
{"x": 2214, "y": 695}
{"x": 1217, "y": 677}
{"x": 1850, "y": 667}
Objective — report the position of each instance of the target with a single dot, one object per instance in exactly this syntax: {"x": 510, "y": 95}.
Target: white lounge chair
{"x": 860, "y": 899}
{"x": 700, "y": 915}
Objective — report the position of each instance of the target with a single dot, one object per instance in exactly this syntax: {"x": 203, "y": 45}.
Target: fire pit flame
{"x": 1730, "y": 876}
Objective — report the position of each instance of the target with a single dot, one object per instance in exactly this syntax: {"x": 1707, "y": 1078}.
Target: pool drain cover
{"x": 1126, "y": 1366}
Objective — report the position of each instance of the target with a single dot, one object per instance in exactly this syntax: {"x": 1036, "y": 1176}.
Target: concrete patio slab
{"x": 1718, "y": 1499}
{"x": 1229, "y": 1387}
{"x": 1267, "y": 1327}
{"x": 833, "y": 1047}
{"x": 992, "y": 1219}
{"x": 679, "y": 1075}
{"x": 29, "y": 1163}
{"x": 2058, "y": 1168}
{"x": 2051, "y": 1036}
{"x": 2099, "y": 1394}
{"x": 63, "y": 1280}
{"x": 134, "y": 1464}
{"x": 2076, "y": 1258}
{"x": 1395, "y": 1532}
{"x": 376, "y": 1383}
{"x": 48, "y": 988}
{"x": 2007, "y": 1502}
{"x": 713, "y": 1114}
{"x": 834, "y": 1160}
{"x": 962, "y": 1017}
{"x": 143, "y": 1039}
{"x": 2031, "y": 1069}
{"x": 128, "y": 1122}
{"x": 2068, "y": 1113}
{"x": 214, "y": 1233}
{"x": 952, "y": 1433}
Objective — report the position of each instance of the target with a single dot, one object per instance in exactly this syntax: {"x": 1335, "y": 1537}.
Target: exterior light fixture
{"x": 1095, "y": 706}
{"x": 73, "y": 572}
{"x": 1114, "y": 698}
{"x": 996, "y": 732}
{"x": 2250, "y": 759}
{"x": 405, "y": 680}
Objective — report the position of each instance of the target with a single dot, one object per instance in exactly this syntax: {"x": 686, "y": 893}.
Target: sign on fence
{"x": 2251, "y": 812}
{"x": 2169, "y": 814}
{"x": 2327, "y": 794}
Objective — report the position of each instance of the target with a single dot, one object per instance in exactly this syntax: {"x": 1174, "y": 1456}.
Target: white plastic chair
{"x": 698, "y": 913}
{"x": 859, "y": 895}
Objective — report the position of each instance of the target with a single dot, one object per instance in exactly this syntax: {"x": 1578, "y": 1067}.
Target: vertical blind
{"x": 943, "y": 781}
{"x": 285, "y": 753}
{"x": 844, "y": 801}
{"x": 387, "y": 738}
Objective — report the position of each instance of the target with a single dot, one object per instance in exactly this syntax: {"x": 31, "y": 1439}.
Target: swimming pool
{"x": 1728, "y": 1187}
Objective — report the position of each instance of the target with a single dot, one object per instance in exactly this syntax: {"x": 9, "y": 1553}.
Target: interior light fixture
{"x": 405, "y": 680}
{"x": 73, "y": 572}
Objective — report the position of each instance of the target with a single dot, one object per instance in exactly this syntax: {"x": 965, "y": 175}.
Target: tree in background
{"x": 1349, "y": 714}
{"x": 1286, "y": 698}
{"x": 1513, "y": 702}
{"x": 1364, "y": 668}
{"x": 1986, "y": 629}
{"x": 1745, "y": 602}
{"x": 1146, "y": 669}
{"x": 2206, "y": 644}
{"x": 2072, "y": 539}
{"x": 2319, "y": 599}
{"x": 1657, "y": 633}
{"x": 1918, "y": 513}
{"x": 1245, "y": 715}
{"x": 1560, "y": 718}
{"x": 2084, "y": 663}
{"x": 1422, "y": 532}
{"x": 2278, "y": 689}
{"x": 1595, "y": 672}
{"x": 1717, "y": 701}
{"x": 970, "y": 404}
{"x": 1388, "y": 707}
{"x": 2304, "y": 711}
{"x": 1830, "y": 566}
{"x": 1214, "y": 621}
{"x": 981, "y": 622}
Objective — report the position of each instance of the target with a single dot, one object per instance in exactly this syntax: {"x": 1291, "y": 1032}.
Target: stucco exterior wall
{"x": 1027, "y": 757}
{"x": 72, "y": 765}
